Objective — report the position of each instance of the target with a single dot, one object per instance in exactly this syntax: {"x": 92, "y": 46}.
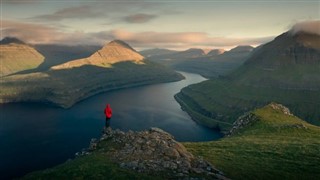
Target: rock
{"x": 241, "y": 122}
{"x": 280, "y": 107}
{"x": 153, "y": 151}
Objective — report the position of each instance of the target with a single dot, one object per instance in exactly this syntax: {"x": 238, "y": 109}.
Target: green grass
{"x": 223, "y": 100}
{"x": 272, "y": 148}
{"x": 97, "y": 165}
{"x": 64, "y": 88}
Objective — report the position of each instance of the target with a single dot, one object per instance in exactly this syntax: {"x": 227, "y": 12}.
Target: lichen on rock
{"x": 152, "y": 151}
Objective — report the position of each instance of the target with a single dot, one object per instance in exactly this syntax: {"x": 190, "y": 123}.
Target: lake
{"x": 36, "y": 136}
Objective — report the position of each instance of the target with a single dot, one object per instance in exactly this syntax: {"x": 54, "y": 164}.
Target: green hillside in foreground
{"x": 277, "y": 146}
{"x": 273, "y": 144}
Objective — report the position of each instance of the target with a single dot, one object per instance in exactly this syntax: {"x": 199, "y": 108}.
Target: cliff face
{"x": 17, "y": 57}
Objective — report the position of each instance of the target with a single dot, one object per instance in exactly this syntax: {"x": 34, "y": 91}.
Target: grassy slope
{"x": 66, "y": 87}
{"x": 272, "y": 148}
{"x": 18, "y": 57}
{"x": 97, "y": 165}
{"x": 225, "y": 101}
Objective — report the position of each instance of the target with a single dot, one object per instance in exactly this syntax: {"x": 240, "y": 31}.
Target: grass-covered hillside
{"x": 285, "y": 70}
{"x": 149, "y": 154}
{"x": 67, "y": 86}
{"x": 276, "y": 146}
{"x": 17, "y": 56}
{"x": 219, "y": 102}
{"x": 116, "y": 65}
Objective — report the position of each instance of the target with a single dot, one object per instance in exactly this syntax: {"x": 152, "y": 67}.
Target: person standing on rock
{"x": 108, "y": 114}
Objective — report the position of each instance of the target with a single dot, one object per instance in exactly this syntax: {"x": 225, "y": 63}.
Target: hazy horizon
{"x": 148, "y": 24}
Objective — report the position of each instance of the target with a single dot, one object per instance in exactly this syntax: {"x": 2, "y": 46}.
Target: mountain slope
{"x": 285, "y": 70}
{"x": 56, "y": 54}
{"x": 289, "y": 61}
{"x": 215, "y": 64}
{"x": 17, "y": 56}
{"x": 113, "y": 52}
{"x": 110, "y": 68}
{"x": 273, "y": 145}
{"x": 156, "y": 52}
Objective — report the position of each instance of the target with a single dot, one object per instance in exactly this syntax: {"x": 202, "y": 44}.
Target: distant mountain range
{"x": 285, "y": 70}
{"x": 156, "y": 52}
{"x": 114, "y": 66}
{"x": 215, "y": 63}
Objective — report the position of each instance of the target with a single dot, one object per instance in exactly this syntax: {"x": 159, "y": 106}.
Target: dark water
{"x": 36, "y": 136}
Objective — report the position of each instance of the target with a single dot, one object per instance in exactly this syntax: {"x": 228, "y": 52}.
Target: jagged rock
{"x": 284, "y": 109}
{"x": 243, "y": 121}
{"x": 153, "y": 151}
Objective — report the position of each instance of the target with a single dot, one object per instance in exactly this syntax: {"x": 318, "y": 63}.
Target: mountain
{"x": 189, "y": 53}
{"x": 156, "y": 52}
{"x": 17, "y": 56}
{"x": 268, "y": 143}
{"x": 217, "y": 62}
{"x": 290, "y": 61}
{"x": 56, "y": 54}
{"x": 9, "y": 40}
{"x": 285, "y": 70}
{"x": 113, "y": 52}
{"x": 115, "y": 66}
{"x": 216, "y": 52}
{"x": 168, "y": 59}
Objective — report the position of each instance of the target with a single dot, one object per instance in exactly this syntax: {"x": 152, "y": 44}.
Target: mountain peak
{"x": 216, "y": 52}
{"x": 119, "y": 43}
{"x": 9, "y": 40}
{"x": 113, "y": 52}
{"x": 242, "y": 48}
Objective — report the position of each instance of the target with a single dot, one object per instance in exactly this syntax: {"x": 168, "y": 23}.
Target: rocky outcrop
{"x": 242, "y": 122}
{"x": 250, "y": 118}
{"x": 152, "y": 151}
{"x": 281, "y": 107}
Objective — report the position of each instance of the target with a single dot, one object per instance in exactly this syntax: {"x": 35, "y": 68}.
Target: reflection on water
{"x": 35, "y": 136}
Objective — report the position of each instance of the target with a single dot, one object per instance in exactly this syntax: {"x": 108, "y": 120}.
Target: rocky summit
{"x": 152, "y": 151}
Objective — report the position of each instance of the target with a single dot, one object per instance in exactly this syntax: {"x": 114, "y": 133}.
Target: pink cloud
{"x": 41, "y": 34}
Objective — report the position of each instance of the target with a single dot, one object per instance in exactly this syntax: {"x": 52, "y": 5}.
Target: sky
{"x": 173, "y": 24}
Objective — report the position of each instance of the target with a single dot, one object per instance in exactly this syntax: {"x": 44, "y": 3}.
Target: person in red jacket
{"x": 108, "y": 112}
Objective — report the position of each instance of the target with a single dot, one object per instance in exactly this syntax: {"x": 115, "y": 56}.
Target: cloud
{"x": 34, "y": 33}
{"x": 79, "y": 12}
{"x": 139, "y": 18}
{"x": 41, "y": 34}
{"x": 182, "y": 39}
{"x": 312, "y": 27}
{"x": 18, "y": 2}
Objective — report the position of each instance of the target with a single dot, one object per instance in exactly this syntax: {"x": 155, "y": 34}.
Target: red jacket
{"x": 108, "y": 111}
